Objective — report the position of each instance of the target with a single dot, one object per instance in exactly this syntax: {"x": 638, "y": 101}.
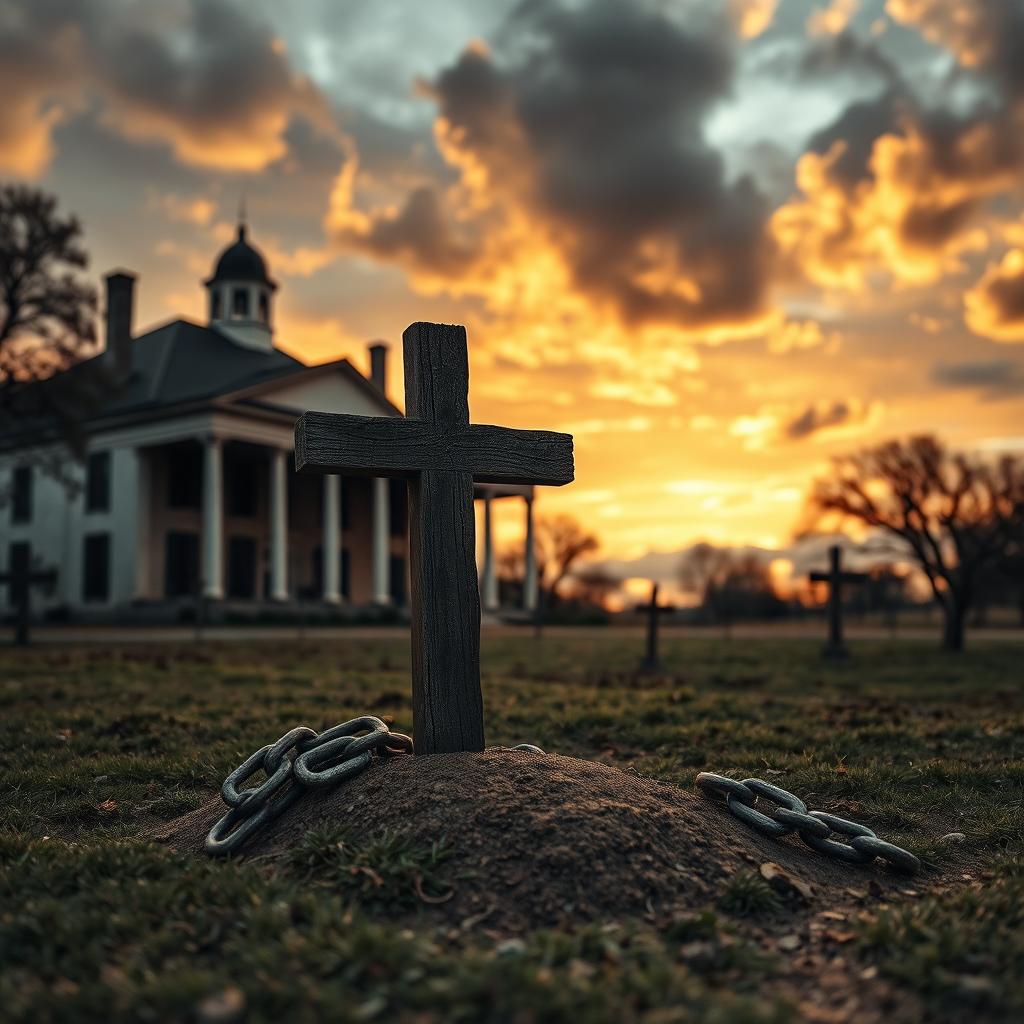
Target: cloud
{"x": 833, "y": 19}
{"x": 994, "y": 307}
{"x": 819, "y": 417}
{"x": 899, "y": 189}
{"x": 752, "y": 17}
{"x": 202, "y": 77}
{"x": 983, "y": 34}
{"x": 995, "y": 378}
{"x": 580, "y": 148}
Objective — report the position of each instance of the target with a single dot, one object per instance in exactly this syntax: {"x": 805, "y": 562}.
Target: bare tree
{"x": 46, "y": 319}
{"x": 561, "y": 543}
{"x": 700, "y": 566}
{"x": 594, "y": 586}
{"x": 957, "y": 514}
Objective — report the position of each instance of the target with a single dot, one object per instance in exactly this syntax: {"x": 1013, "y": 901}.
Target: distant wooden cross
{"x": 835, "y": 649}
{"x": 441, "y": 454}
{"x": 651, "y": 662}
{"x": 20, "y": 579}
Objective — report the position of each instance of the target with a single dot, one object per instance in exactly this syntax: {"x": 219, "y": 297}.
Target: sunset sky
{"x": 717, "y": 242}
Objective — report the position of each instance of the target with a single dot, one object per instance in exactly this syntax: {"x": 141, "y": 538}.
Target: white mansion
{"x": 188, "y": 490}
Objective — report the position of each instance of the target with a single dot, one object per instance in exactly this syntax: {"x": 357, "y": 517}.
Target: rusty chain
{"x": 789, "y": 814}
{"x": 301, "y": 760}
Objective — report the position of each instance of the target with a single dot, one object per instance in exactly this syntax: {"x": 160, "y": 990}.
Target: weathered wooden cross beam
{"x": 835, "y": 649}
{"x": 21, "y": 579}
{"x": 441, "y": 454}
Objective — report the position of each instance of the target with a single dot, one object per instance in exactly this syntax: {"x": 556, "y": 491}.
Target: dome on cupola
{"x": 241, "y": 294}
{"x": 241, "y": 261}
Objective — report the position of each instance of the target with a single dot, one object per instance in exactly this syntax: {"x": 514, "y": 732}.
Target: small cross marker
{"x": 441, "y": 454}
{"x": 835, "y": 649}
{"x": 21, "y": 580}
{"x": 652, "y": 661}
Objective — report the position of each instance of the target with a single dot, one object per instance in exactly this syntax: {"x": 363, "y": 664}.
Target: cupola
{"x": 241, "y": 294}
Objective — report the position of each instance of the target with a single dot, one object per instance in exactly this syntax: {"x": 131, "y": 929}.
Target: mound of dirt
{"x": 544, "y": 840}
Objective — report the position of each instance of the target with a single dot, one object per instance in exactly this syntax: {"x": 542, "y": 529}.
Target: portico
{"x": 189, "y": 496}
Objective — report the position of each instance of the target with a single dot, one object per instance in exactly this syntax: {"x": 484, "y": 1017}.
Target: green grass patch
{"x": 97, "y": 746}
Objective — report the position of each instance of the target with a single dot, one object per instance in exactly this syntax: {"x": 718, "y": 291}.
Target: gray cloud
{"x": 591, "y": 120}
{"x": 202, "y": 76}
{"x": 995, "y": 378}
{"x": 819, "y": 417}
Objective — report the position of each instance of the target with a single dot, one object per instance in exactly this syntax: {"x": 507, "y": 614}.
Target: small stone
{"x": 510, "y": 947}
{"x": 789, "y": 943}
{"x": 953, "y": 837}
{"x": 221, "y": 1007}
{"x": 785, "y": 883}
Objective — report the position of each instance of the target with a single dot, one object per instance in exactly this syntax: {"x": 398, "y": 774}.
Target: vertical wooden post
{"x": 651, "y": 662}
{"x": 447, "y": 706}
{"x": 836, "y": 647}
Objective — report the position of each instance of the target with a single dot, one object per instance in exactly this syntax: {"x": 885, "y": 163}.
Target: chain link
{"x": 299, "y": 761}
{"x": 789, "y": 814}
{"x": 302, "y": 760}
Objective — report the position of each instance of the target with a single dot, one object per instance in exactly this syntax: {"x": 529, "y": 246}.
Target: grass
{"x": 98, "y": 745}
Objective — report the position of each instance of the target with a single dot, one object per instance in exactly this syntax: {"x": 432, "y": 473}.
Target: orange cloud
{"x": 752, "y": 17}
{"x": 833, "y": 19}
{"x": 912, "y": 216}
{"x": 203, "y": 78}
{"x": 994, "y": 307}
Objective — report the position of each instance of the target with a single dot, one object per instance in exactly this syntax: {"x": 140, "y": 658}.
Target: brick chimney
{"x": 379, "y": 365}
{"x": 120, "y": 300}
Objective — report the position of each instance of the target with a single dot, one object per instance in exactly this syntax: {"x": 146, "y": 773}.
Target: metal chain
{"x": 301, "y": 760}
{"x": 789, "y": 814}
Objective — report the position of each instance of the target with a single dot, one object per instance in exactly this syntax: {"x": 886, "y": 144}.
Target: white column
{"x": 381, "y": 541}
{"x": 278, "y": 525}
{"x": 529, "y": 563}
{"x": 213, "y": 519}
{"x": 331, "y": 545}
{"x": 489, "y": 584}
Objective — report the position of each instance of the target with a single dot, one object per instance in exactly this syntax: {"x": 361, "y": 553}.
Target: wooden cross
{"x": 441, "y": 454}
{"x": 651, "y": 662}
{"x": 835, "y": 649}
{"x": 21, "y": 579}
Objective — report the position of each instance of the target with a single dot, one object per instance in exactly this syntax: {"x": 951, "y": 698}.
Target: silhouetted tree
{"x": 561, "y": 543}
{"x": 699, "y": 567}
{"x": 594, "y": 586}
{"x": 731, "y": 584}
{"x": 46, "y": 319}
{"x": 956, "y": 514}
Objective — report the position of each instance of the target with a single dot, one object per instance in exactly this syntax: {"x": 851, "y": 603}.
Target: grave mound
{"x": 545, "y": 840}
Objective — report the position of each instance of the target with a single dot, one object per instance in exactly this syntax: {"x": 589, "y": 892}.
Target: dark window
{"x": 398, "y": 507}
{"x": 241, "y": 567}
{"x": 264, "y": 308}
{"x": 184, "y": 476}
{"x": 345, "y": 592}
{"x": 240, "y": 302}
{"x": 346, "y": 504}
{"x": 318, "y": 571}
{"x": 396, "y": 567}
{"x": 243, "y": 491}
{"x": 21, "y": 511}
{"x": 97, "y": 483}
{"x": 96, "y": 567}
{"x": 19, "y": 559}
{"x": 181, "y": 569}
{"x": 215, "y": 305}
